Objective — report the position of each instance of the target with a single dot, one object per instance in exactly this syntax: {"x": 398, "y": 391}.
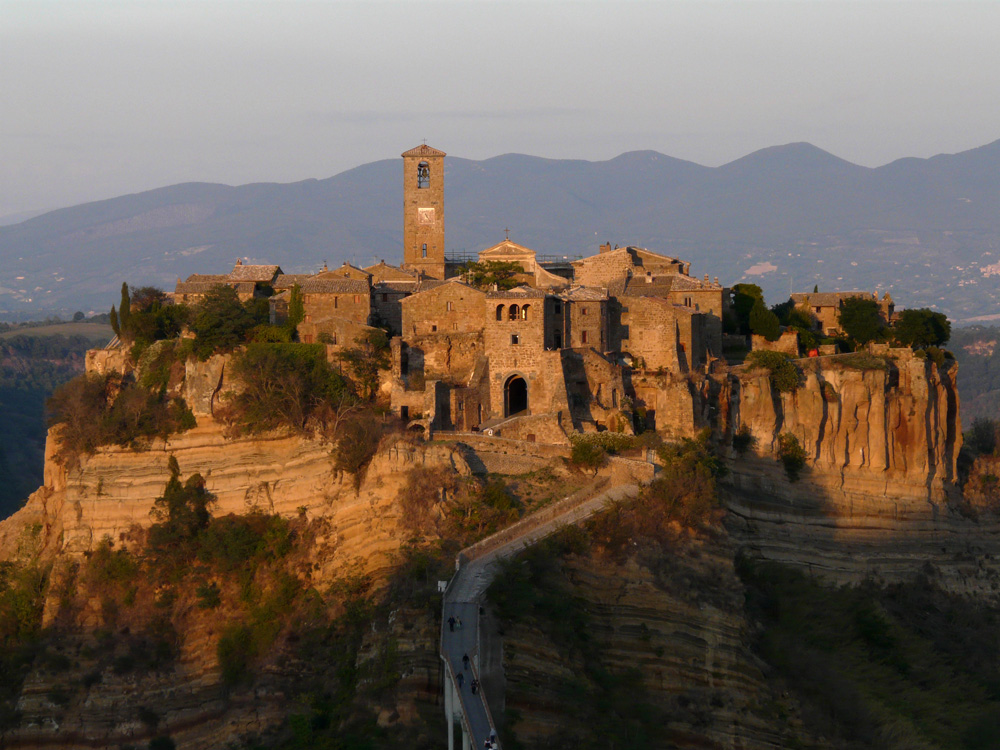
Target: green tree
{"x": 296, "y": 307}
{"x": 369, "y": 355}
{"x": 181, "y": 513}
{"x": 764, "y": 323}
{"x": 861, "y": 320}
{"x": 125, "y": 312}
{"x": 221, "y": 322}
{"x": 744, "y": 298}
{"x": 113, "y": 321}
{"x": 484, "y": 275}
{"x": 286, "y": 385}
{"x": 921, "y": 328}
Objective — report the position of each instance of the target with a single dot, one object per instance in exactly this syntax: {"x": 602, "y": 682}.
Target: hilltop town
{"x": 480, "y": 346}
{"x": 270, "y": 496}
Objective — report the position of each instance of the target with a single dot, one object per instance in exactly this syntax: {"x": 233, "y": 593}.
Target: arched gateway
{"x": 515, "y": 396}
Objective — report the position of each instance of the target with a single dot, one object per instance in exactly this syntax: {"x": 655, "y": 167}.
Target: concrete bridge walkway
{"x": 476, "y": 566}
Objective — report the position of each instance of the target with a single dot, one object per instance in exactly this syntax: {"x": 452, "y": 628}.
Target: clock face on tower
{"x": 425, "y": 215}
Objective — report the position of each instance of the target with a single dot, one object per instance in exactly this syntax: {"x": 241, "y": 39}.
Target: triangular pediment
{"x": 423, "y": 150}
{"x": 506, "y": 249}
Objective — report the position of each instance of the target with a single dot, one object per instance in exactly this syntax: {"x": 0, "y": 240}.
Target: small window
{"x": 423, "y": 251}
{"x": 357, "y": 298}
{"x": 583, "y": 311}
{"x": 450, "y": 306}
{"x": 513, "y": 313}
{"x": 583, "y": 337}
{"x": 336, "y": 302}
{"x": 515, "y": 339}
{"x": 423, "y": 175}
{"x": 333, "y": 338}
{"x": 433, "y": 328}
{"x": 308, "y": 338}
{"x": 558, "y": 339}
{"x": 499, "y": 312}
{"x": 558, "y": 308}
{"x": 524, "y": 312}
{"x": 385, "y": 297}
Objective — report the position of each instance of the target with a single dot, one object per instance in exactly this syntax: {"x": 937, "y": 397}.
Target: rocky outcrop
{"x": 672, "y": 632}
{"x": 877, "y": 497}
{"x": 111, "y": 492}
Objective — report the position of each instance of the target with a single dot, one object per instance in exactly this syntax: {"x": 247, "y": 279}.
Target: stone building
{"x": 249, "y": 281}
{"x": 560, "y": 351}
{"x": 824, "y": 308}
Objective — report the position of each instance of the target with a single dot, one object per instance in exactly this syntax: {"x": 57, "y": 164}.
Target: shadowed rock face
{"x": 877, "y": 497}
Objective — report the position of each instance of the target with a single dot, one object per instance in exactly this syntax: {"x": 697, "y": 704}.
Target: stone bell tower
{"x": 423, "y": 211}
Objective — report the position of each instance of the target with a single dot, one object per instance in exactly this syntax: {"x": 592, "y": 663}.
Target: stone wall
{"x": 537, "y": 428}
{"x": 343, "y": 332}
{"x": 587, "y": 325}
{"x": 449, "y": 308}
{"x": 105, "y": 361}
{"x": 449, "y": 356}
{"x": 352, "y": 306}
{"x": 787, "y": 343}
{"x": 387, "y": 308}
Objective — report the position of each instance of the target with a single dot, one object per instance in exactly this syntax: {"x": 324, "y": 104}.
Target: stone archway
{"x": 515, "y": 396}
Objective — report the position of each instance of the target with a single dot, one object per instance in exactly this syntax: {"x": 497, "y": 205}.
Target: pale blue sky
{"x": 98, "y": 99}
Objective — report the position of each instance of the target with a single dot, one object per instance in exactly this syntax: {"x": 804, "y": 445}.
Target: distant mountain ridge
{"x": 928, "y": 230}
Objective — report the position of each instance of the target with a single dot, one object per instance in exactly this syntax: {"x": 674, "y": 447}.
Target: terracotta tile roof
{"x": 201, "y": 287}
{"x": 519, "y": 292}
{"x": 288, "y": 280}
{"x": 335, "y": 286}
{"x": 208, "y": 278}
{"x": 423, "y": 150}
{"x": 587, "y": 293}
{"x": 399, "y": 287}
{"x": 383, "y": 271}
{"x": 261, "y": 274}
{"x": 432, "y": 284}
{"x": 827, "y": 299}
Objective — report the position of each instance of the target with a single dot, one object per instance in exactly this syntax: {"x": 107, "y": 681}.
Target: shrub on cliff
{"x": 92, "y": 411}
{"x": 357, "y": 442}
{"x": 290, "y": 386}
{"x": 366, "y": 358}
{"x": 782, "y": 372}
{"x": 744, "y": 440}
{"x": 181, "y": 512}
{"x": 792, "y": 455}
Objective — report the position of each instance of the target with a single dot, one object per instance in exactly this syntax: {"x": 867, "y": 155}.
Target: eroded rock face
{"x": 877, "y": 497}
{"x": 113, "y": 490}
{"x": 895, "y": 429}
{"x": 677, "y": 625}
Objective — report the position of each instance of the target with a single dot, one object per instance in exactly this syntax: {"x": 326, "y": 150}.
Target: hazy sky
{"x": 98, "y": 99}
